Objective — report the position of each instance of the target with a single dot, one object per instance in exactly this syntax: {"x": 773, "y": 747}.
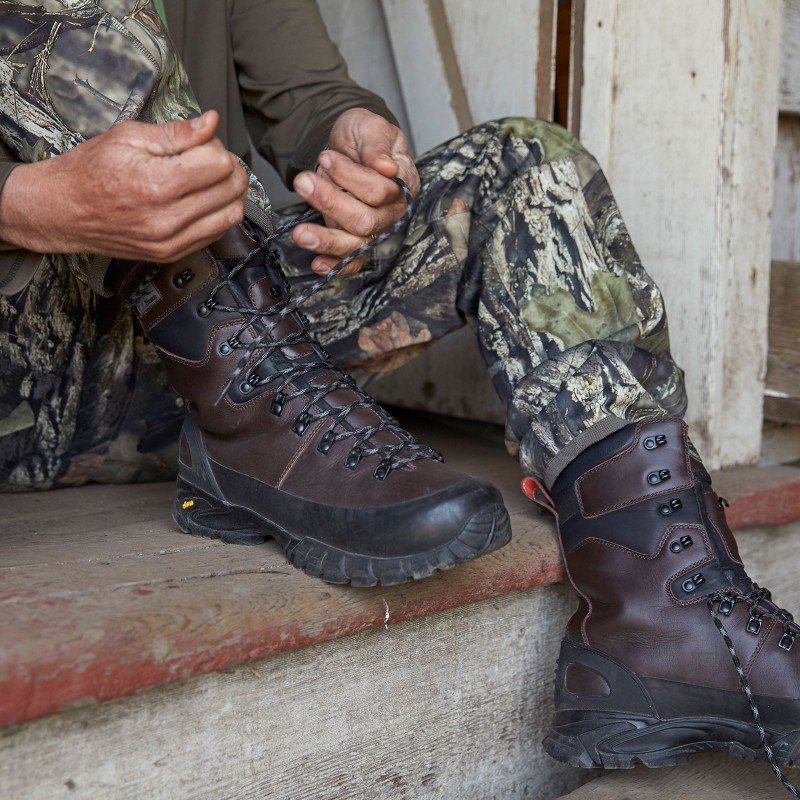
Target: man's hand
{"x": 138, "y": 191}
{"x": 351, "y": 187}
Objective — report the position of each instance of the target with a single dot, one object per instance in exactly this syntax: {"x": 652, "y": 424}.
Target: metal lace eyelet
{"x": 301, "y": 423}
{"x": 690, "y": 584}
{"x": 653, "y": 442}
{"x": 327, "y": 442}
{"x": 787, "y": 640}
{"x": 206, "y": 307}
{"x": 679, "y": 545}
{"x": 245, "y": 388}
{"x": 754, "y": 624}
{"x": 180, "y": 280}
{"x": 665, "y": 509}
{"x": 383, "y": 469}
{"x": 351, "y": 462}
{"x": 654, "y": 478}
{"x": 726, "y": 606}
{"x": 228, "y": 346}
{"x": 278, "y": 402}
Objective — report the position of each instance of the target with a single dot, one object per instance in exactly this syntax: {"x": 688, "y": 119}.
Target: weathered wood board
{"x": 677, "y": 107}
{"x": 790, "y": 58}
{"x": 782, "y": 392}
{"x": 706, "y": 777}
{"x": 786, "y": 204}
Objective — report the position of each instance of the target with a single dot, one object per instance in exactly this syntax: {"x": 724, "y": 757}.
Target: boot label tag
{"x": 146, "y": 298}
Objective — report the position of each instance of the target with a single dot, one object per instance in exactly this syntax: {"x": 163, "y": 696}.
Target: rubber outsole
{"x": 198, "y": 514}
{"x": 621, "y": 742}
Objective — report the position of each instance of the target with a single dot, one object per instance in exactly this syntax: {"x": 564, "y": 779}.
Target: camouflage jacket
{"x": 267, "y": 66}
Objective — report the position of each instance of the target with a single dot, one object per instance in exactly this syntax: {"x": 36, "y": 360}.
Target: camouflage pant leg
{"x": 516, "y": 232}
{"x": 81, "y": 397}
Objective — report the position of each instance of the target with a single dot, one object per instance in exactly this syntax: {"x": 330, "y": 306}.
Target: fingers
{"x": 203, "y": 167}
{"x": 322, "y": 265}
{"x": 172, "y": 138}
{"x": 341, "y": 208}
{"x": 361, "y": 181}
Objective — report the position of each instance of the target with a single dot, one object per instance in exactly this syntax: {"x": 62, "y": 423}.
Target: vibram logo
{"x": 187, "y": 503}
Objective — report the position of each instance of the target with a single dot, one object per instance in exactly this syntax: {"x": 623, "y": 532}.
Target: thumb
{"x": 174, "y": 138}
{"x": 377, "y": 152}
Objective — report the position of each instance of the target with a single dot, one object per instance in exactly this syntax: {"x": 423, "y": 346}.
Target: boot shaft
{"x": 645, "y": 544}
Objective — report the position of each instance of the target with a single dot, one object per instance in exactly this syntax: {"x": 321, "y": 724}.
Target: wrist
{"x": 23, "y": 198}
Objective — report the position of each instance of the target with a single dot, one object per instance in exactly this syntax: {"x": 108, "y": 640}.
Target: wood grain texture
{"x": 790, "y": 58}
{"x": 450, "y": 706}
{"x": 783, "y": 364}
{"x": 786, "y": 205}
{"x": 481, "y": 62}
{"x": 677, "y": 107}
{"x": 707, "y": 777}
{"x": 100, "y": 596}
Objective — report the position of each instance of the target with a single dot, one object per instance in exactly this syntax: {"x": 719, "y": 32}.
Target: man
{"x": 514, "y": 231}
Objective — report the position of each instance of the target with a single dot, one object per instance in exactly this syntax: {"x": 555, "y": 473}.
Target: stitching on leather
{"x": 760, "y": 645}
{"x": 669, "y": 532}
{"x": 606, "y": 464}
{"x": 719, "y": 532}
{"x": 185, "y": 298}
{"x": 209, "y": 349}
{"x": 309, "y": 438}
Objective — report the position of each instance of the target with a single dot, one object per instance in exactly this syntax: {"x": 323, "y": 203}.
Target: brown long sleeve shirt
{"x": 270, "y": 70}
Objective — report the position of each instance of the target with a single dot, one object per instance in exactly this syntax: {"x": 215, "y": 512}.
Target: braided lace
{"x": 265, "y": 344}
{"x": 726, "y": 602}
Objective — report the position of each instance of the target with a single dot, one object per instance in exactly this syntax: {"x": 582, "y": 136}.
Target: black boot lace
{"x": 265, "y": 344}
{"x": 760, "y": 607}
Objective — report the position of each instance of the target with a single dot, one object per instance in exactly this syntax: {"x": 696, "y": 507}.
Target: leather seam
{"x": 186, "y": 298}
{"x": 760, "y": 646}
{"x": 733, "y": 558}
{"x": 624, "y": 454}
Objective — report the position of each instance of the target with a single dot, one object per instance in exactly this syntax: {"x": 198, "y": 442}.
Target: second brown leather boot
{"x": 673, "y": 650}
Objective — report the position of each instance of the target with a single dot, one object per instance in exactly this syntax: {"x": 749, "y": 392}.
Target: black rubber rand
{"x": 651, "y": 722}
{"x": 200, "y": 514}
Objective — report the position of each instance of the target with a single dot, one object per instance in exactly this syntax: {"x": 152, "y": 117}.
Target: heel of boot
{"x": 606, "y": 717}
{"x": 196, "y": 513}
{"x": 597, "y": 703}
{"x": 199, "y": 507}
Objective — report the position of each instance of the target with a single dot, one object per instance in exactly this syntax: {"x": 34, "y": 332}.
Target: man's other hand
{"x": 137, "y": 191}
{"x": 352, "y": 189}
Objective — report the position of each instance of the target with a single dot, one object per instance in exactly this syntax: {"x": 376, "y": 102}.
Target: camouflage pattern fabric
{"x": 515, "y": 232}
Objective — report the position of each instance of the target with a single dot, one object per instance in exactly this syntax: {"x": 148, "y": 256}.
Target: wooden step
{"x": 706, "y": 777}
{"x": 263, "y": 683}
{"x": 101, "y": 596}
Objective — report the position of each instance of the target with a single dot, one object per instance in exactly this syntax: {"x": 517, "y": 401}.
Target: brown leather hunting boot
{"x": 671, "y": 639}
{"x": 279, "y": 443}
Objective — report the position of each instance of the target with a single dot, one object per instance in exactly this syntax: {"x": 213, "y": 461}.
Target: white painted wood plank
{"x": 497, "y": 51}
{"x": 676, "y": 106}
{"x": 423, "y": 79}
{"x": 359, "y": 30}
{"x": 790, "y": 58}
{"x": 786, "y": 210}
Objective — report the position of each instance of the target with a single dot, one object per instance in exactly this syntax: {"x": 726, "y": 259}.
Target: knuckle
{"x": 363, "y": 224}
{"x": 162, "y": 251}
{"x": 155, "y": 191}
{"x": 161, "y": 229}
{"x": 233, "y": 215}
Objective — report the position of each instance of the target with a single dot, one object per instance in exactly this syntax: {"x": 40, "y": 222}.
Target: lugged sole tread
{"x": 487, "y": 530}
